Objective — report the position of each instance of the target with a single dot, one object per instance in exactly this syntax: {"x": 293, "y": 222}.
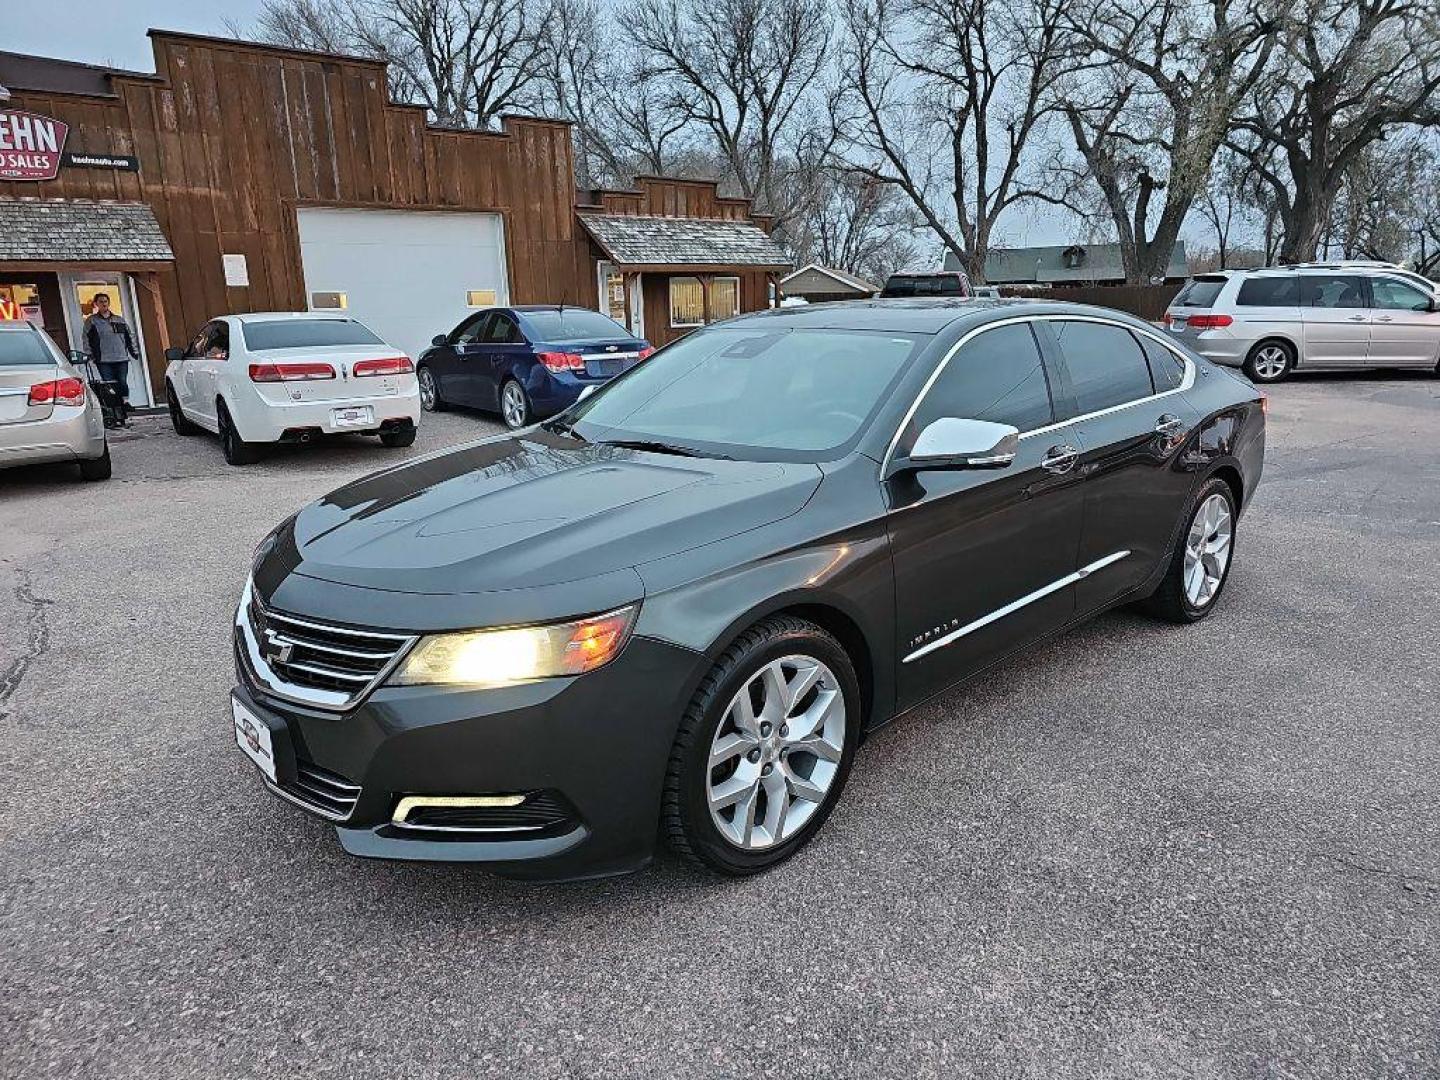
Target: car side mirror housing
{"x": 172, "y": 354}
{"x": 439, "y": 339}
{"x": 953, "y": 443}
{"x": 78, "y": 357}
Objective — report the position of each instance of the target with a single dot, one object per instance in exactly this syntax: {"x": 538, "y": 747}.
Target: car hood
{"x": 533, "y": 510}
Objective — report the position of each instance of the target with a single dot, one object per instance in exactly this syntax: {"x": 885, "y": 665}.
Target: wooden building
{"x": 245, "y": 177}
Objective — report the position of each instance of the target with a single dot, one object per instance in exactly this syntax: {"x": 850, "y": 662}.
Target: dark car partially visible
{"x": 525, "y": 363}
{"x": 940, "y": 283}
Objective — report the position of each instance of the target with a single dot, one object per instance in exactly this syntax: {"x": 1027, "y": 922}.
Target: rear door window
{"x": 1105, "y": 364}
{"x": 1200, "y": 292}
{"x": 1332, "y": 291}
{"x": 1270, "y": 292}
{"x": 997, "y": 376}
{"x": 503, "y": 331}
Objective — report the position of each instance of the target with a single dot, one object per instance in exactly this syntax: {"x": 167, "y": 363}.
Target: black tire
{"x": 1263, "y": 355}
{"x": 237, "y": 450}
{"x": 1170, "y": 601}
{"x": 178, "y": 419}
{"x": 515, "y": 421}
{"x": 435, "y": 402}
{"x": 98, "y": 468}
{"x": 685, "y": 815}
{"x": 398, "y": 438}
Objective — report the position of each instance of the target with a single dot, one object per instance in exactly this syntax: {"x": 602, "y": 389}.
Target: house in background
{"x": 816, "y": 284}
{"x": 1062, "y": 265}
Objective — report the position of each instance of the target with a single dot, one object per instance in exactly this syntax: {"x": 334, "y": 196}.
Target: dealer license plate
{"x": 355, "y": 416}
{"x": 252, "y": 735}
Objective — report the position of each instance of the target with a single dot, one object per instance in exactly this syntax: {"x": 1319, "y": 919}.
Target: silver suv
{"x": 1271, "y": 322}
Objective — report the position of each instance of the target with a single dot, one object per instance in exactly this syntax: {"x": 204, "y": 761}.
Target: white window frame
{"x": 671, "y": 298}
{"x": 726, "y": 277}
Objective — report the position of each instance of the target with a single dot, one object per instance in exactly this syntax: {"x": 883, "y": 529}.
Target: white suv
{"x": 290, "y": 377}
{"x": 1271, "y": 322}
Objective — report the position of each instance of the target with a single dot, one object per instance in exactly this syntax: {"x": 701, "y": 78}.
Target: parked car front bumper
{"x": 598, "y": 744}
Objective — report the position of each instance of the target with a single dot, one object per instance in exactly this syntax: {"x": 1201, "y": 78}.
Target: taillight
{"x": 1208, "y": 322}
{"x": 390, "y": 365}
{"x": 58, "y": 392}
{"x": 646, "y": 351}
{"x": 290, "y": 372}
{"x": 562, "y": 361}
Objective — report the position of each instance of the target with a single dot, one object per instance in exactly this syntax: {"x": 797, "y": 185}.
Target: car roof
{"x": 929, "y": 315}
{"x": 283, "y": 316}
{"x": 13, "y": 325}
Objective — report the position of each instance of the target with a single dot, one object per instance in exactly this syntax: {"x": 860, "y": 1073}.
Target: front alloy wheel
{"x": 429, "y": 392}
{"x": 763, "y": 751}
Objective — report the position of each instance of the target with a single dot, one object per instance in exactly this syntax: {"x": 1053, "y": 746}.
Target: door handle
{"x": 1382, "y": 318}
{"x": 1060, "y": 459}
{"x": 1169, "y": 424}
{"x": 1358, "y": 318}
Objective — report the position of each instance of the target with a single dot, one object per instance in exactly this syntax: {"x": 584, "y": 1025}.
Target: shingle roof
{"x": 847, "y": 279}
{"x": 634, "y": 240}
{"x": 80, "y": 230}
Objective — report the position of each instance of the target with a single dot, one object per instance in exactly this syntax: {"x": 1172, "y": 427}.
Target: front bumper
{"x": 600, "y": 742}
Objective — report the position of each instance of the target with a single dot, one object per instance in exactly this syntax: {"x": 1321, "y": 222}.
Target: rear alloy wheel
{"x": 237, "y": 450}
{"x": 429, "y": 391}
{"x": 178, "y": 419}
{"x": 1270, "y": 361}
{"x": 764, "y": 749}
{"x": 1201, "y": 564}
{"x": 514, "y": 405}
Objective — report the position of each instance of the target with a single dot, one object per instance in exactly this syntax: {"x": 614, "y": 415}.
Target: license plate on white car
{"x": 252, "y": 735}
{"x": 355, "y": 416}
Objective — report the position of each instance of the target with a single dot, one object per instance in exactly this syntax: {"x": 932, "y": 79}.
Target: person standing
{"x": 110, "y": 344}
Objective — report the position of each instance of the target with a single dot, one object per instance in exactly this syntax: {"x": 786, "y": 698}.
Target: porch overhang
{"x": 76, "y": 234}
{"x": 638, "y": 243}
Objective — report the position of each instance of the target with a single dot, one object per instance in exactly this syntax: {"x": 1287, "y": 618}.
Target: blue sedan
{"x": 525, "y": 362}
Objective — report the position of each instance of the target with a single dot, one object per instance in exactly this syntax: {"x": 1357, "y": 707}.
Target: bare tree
{"x": 740, "y": 71}
{"x": 466, "y": 61}
{"x": 1150, "y": 100}
{"x": 856, "y": 223}
{"x": 941, "y": 99}
{"x": 1352, "y": 70}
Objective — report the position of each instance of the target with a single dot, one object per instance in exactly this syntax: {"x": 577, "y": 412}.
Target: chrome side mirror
{"x": 952, "y": 443}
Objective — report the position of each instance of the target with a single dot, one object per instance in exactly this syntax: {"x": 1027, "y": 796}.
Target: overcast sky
{"x": 114, "y": 34}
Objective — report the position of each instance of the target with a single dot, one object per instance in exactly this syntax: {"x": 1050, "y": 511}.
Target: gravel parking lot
{"x": 1140, "y": 851}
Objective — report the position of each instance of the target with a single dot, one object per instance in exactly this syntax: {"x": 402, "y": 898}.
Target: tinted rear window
{"x": 573, "y": 324}
{"x": 923, "y": 285}
{"x": 1270, "y": 292}
{"x": 1105, "y": 363}
{"x": 21, "y": 347}
{"x": 306, "y": 333}
{"x": 1200, "y": 292}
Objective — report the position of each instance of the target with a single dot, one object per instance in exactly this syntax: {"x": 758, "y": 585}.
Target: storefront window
{"x": 725, "y": 298}
{"x": 21, "y": 302}
{"x": 687, "y": 302}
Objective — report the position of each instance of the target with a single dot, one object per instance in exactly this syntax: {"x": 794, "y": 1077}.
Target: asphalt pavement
{"x": 1139, "y": 851}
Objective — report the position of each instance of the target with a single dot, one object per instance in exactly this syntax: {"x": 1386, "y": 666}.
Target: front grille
{"x": 546, "y": 811}
{"x": 319, "y": 663}
{"x": 328, "y": 794}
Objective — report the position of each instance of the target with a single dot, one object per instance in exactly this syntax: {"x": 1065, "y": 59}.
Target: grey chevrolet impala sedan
{"x": 677, "y": 608}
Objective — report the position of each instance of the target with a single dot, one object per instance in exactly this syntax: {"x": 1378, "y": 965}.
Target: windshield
{"x": 573, "y": 324}
{"x": 305, "y": 333}
{"x": 761, "y": 394}
{"x": 22, "y": 348}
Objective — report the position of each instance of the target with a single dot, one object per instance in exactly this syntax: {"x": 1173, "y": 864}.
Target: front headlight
{"x": 517, "y": 653}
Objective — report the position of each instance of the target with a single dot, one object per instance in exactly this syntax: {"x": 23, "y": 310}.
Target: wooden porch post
{"x": 705, "y": 282}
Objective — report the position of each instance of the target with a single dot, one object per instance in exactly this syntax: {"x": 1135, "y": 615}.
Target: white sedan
{"x": 290, "y": 377}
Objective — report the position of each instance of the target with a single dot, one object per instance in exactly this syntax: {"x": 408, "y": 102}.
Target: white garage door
{"x": 406, "y": 274}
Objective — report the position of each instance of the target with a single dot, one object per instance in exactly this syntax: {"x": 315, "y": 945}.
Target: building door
{"x": 613, "y": 291}
{"x": 78, "y": 289}
{"x": 407, "y": 274}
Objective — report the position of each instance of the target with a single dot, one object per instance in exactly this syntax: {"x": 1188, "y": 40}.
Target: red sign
{"x": 30, "y": 145}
